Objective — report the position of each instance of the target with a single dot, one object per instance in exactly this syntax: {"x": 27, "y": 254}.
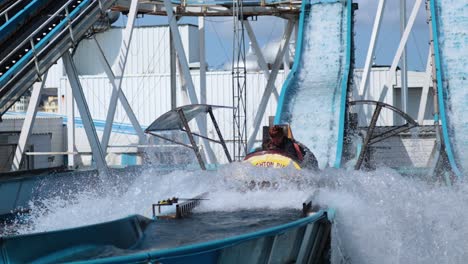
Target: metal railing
{"x": 30, "y": 38}
{"x": 5, "y": 12}
{"x": 12, "y": 83}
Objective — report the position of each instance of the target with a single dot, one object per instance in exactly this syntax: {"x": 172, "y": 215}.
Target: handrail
{"x": 5, "y": 12}
{"x": 21, "y": 18}
{"x": 40, "y": 46}
{"x": 29, "y": 38}
{"x": 46, "y": 42}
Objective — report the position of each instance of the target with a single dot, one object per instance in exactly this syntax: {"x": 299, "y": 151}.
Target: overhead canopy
{"x": 171, "y": 120}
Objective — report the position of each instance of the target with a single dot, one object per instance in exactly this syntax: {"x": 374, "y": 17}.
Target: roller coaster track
{"x": 314, "y": 95}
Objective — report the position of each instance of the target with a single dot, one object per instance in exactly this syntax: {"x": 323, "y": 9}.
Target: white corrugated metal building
{"x": 147, "y": 84}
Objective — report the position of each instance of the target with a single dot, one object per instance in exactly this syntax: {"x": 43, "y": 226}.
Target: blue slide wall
{"x": 313, "y": 97}
{"x": 450, "y": 32}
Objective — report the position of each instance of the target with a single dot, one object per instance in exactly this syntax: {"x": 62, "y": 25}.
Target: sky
{"x": 219, "y": 34}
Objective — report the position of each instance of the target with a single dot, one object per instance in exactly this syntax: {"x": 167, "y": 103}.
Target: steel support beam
{"x": 122, "y": 98}
{"x": 173, "y": 66}
{"x": 370, "y": 132}
{"x": 286, "y": 55}
{"x": 220, "y": 135}
{"x": 183, "y": 86}
{"x": 270, "y": 84}
{"x": 435, "y": 91}
{"x": 185, "y": 70}
{"x": 258, "y": 53}
{"x": 401, "y": 47}
{"x": 117, "y": 79}
{"x": 77, "y": 90}
{"x": 425, "y": 90}
{"x": 371, "y": 50}
{"x": 202, "y": 54}
{"x": 436, "y": 155}
{"x": 70, "y": 101}
{"x": 192, "y": 140}
{"x": 182, "y": 58}
{"x": 215, "y": 9}
{"x": 403, "y": 60}
{"x": 296, "y": 33}
{"x": 28, "y": 123}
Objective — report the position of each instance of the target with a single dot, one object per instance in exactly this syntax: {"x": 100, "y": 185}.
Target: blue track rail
{"x": 20, "y": 18}
{"x": 301, "y": 240}
{"x": 30, "y": 54}
{"x": 62, "y": 245}
{"x": 9, "y": 8}
{"x": 323, "y": 98}
{"x": 449, "y": 25}
{"x": 44, "y": 40}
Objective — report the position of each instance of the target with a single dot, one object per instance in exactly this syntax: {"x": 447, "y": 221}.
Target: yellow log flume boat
{"x": 271, "y": 159}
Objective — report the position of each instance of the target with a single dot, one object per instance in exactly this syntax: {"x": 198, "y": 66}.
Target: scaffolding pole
{"x": 239, "y": 83}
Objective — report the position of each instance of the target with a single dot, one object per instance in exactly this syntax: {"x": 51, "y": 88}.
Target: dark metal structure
{"x": 183, "y": 209}
{"x": 178, "y": 119}
{"x": 370, "y": 138}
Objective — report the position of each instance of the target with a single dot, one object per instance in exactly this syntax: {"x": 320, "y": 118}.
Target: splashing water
{"x": 381, "y": 216}
{"x": 229, "y": 190}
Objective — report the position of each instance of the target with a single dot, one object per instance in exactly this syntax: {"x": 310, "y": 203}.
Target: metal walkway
{"x": 450, "y": 33}
{"x": 36, "y": 37}
{"x": 313, "y": 98}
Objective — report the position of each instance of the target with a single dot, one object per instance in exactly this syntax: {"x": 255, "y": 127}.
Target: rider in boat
{"x": 293, "y": 148}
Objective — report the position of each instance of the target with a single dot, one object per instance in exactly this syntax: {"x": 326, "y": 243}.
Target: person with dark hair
{"x": 294, "y": 149}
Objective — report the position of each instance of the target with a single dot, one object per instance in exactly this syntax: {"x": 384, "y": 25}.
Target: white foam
{"x": 382, "y": 217}
{"x": 228, "y": 191}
